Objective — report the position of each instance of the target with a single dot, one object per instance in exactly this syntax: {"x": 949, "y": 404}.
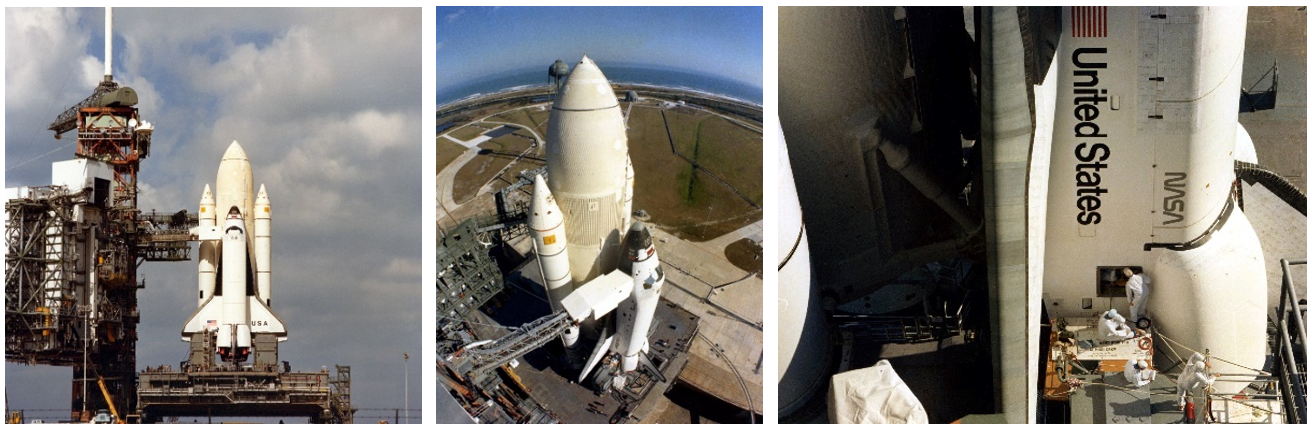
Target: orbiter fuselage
{"x": 1142, "y": 175}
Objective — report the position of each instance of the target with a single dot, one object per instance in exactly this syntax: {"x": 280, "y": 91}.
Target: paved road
{"x": 446, "y": 177}
{"x": 446, "y": 180}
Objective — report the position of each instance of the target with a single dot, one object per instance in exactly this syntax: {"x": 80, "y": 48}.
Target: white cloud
{"x": 39, "y": 50}
{"x": 326, "y": 103}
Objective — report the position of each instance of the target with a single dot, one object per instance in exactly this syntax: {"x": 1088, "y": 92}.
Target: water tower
{"x": 556, "y": 75}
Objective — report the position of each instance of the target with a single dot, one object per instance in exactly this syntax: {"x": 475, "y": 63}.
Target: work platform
{"x": 1112, "y": 400}
{"x": 319, "y": 396}
{"x": 1089, "y": 376}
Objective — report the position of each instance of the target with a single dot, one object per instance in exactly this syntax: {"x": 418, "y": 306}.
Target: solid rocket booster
{"x": 208, "y": 249}
{"x": 547, "y": 228}
{"x": 263, "y": 247}
{"x": 234, "y": 264}
{"x": 645, "y": 268}
{"x": 587, "y": 153}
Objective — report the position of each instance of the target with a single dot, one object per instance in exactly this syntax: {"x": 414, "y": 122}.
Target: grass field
{"x": 526, "y": 163}
{"x": 531, "y": 117}
{"x": 484, "y": 167}
{"x": 540, "y": 117}
{"x": 732, "y": 153}
{"x": 447, "y": 151}
{"x": 678, "y": 197}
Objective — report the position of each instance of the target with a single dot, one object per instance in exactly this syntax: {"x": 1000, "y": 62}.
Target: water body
{"x": 651, "y": 75}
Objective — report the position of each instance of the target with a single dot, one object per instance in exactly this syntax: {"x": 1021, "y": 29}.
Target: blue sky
{"x": 473, "y": 42}
{"x": 328, "y": 110}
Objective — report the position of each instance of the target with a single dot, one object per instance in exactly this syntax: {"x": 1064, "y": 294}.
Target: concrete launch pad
{"x": 552, "y": 386}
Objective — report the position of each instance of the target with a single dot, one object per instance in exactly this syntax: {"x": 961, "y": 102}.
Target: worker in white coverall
{"x": 1112, "y": 327}
{"x": 1192, "y": 377}
{"x": 1138, "y": 374}
{"x": 1136, "y": 290}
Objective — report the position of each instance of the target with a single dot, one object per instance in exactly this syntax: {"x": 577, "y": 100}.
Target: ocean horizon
{"x": 618, "y": 73}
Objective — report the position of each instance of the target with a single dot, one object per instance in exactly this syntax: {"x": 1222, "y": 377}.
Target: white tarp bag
{"x": 873, "y": 395}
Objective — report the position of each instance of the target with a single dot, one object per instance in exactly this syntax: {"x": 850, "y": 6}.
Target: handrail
{"x": 1290, "y": 296}
{"x": 1292, "y": 383}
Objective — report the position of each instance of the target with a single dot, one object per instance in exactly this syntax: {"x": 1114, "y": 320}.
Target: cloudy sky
{"x": 326, "y": 103}
{"x": 473, "y": 42}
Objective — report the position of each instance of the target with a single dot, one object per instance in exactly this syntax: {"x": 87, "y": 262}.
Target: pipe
{"x": 1277, "y": 184}
{"x": 899, "y": 158}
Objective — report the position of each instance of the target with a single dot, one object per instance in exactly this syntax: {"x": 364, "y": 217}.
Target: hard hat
{"x": 1111, "y": 313}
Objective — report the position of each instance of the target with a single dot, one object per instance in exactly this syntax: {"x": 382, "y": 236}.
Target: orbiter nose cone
{"x": 235, "y": 152}
{"x": 586, "y": 89}
{"x": 639, "y": 237}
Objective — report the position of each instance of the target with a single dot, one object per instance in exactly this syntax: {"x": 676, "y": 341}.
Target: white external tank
{"x": 628, "y": 192}
{"x": 803, "y": 337}
{"x": 234, "y": 185}
{"x": 587, "y": 152}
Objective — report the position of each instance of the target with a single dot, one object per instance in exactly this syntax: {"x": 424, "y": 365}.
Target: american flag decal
{"x": 1088, "y": 21}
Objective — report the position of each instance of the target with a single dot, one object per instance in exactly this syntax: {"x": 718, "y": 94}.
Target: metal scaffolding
{"x": 74, "y": 248}
{"x": 273, "y": 392}
{"x": 467, "y": 277}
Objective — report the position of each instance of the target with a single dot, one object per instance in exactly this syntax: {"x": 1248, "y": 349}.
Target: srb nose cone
{"x": 544, "y": 213}
{"x": 207, "y": 197}
{"x": 262, "y": 197}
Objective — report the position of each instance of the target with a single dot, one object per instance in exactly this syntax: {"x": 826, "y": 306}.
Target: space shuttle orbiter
{"x": 1144, "y": 140}
{"x": 235, "y": 290}
{"x": 597, "y": 264}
